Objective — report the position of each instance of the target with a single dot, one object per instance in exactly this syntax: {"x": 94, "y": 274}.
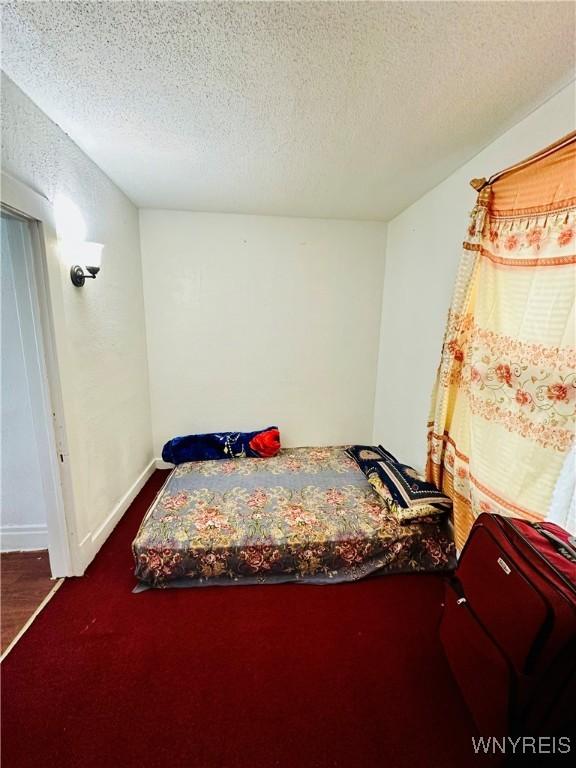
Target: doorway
{"x": 32, "y": 506}
{"x": 24, "y": 491}
{"x": 24, "y": 512}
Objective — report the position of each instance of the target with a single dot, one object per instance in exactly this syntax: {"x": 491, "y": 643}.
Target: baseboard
{"x": 23, "y": 538}
{"x": 92, "y": 543}
{"x": 161, "y": 464}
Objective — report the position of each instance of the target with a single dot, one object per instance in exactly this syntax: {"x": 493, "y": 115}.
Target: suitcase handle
{"x": 564, "y": 548}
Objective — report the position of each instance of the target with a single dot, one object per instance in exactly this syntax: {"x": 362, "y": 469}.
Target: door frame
{"x": 47, "y": 399}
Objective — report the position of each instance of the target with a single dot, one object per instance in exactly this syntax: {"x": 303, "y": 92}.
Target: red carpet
{"x": 285, "y": 676}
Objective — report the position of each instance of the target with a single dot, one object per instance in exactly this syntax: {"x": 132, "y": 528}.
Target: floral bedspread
{"x": 306, "y": 515}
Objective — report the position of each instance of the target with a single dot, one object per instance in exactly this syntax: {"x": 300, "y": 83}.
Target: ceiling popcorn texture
{"x": 321, "y": 109}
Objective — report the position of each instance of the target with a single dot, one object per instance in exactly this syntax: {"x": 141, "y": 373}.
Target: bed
{"x": 306, "y": 515}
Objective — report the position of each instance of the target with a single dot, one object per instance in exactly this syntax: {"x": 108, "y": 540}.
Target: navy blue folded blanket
{"x": 263, "y": 443}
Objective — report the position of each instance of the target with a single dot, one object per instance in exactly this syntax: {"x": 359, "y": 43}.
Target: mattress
{"x": 306, "y": 515}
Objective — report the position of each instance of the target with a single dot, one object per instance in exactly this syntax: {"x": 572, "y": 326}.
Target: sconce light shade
{"x": 91, "y": 256}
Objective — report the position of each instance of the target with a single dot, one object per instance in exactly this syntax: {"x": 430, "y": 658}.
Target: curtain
{"x": 503, "y": 408}
{"x": 563, "y": 506}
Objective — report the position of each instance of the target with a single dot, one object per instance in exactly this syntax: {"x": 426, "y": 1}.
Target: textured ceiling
{"x": 345, "y": 110}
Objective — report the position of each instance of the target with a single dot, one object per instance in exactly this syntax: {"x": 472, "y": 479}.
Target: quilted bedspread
{"x": 306, "y": 515}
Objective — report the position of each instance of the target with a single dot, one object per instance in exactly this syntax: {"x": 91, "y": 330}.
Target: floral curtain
{"x": 504, "y": 403}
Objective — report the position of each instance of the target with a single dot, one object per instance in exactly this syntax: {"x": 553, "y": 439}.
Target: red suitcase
{"x": 509, "y": 627}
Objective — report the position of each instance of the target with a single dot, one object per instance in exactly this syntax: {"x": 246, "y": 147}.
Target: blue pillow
{"x": 363, "y": 453}
{"x": 402, "y": 481}
{"x": 263, "y": 443}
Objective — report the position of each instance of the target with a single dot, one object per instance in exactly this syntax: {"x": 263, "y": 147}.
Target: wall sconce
{"x": 91, "y": 255}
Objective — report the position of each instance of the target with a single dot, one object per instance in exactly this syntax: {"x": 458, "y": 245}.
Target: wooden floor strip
{"x": 30, "y": 621}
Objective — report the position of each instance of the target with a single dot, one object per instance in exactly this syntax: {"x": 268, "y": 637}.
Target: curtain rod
{"x": 479, "y": 184}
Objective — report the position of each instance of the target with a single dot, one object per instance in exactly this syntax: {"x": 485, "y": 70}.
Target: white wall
{"x": 256, "y": 320}
{"x": 23, "y": 508}
{"x": 100, "y": 329}
{"x": 422, "y": 254}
